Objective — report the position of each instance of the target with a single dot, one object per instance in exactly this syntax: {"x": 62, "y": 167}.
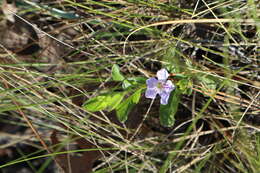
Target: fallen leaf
{"x": 76, "y": 164}
{"x": 9, "y": 10}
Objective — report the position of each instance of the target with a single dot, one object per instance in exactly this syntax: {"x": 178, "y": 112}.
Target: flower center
{"x": 160, "y": 85}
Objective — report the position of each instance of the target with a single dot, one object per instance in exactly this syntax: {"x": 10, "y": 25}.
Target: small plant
{"x": 116, "y": 100}
{"x": 71, "y": 71}
{"x": 134, "y": 86}
{"x": 160, "y": 86}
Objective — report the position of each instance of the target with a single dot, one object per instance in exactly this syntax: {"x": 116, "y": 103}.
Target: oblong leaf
{"x": 107, "y": 101}
{"x": 116, "y": 74}
{"x": 115, "y": 99}
{"x": 168, "y": 111}
{"x": 124, "y": 108}
{"x": 96, "y": 104}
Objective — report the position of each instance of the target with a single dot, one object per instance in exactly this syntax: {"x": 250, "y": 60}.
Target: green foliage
{"x": 114, "y": 100}
{"x": 102, "y": 102}
{"x": 168, "y": 111}
{"x": 133, "y": 82}
{"x": 172, "y": 56}
{"x": 124, "y": 108}
{"x": 208, "y": 81}
{"x": 116, "y": 74}
{"x": 185, "y": 86}
{"x": 187, "y": 47}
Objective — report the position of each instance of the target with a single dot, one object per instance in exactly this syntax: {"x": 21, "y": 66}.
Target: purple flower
{"x": 160, "y": 86}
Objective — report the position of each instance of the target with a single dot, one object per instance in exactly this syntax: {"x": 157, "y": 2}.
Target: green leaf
{"x": 124, "y": 108}
{"x": 107, "y": 101}
{"x": 96, "y": 104}
{"x": 115, "y": 100}
{"x": 208, "y": 81}
{"x": 168, "y": 111}
{"x": 185, "y": 85}
{"x": 133, "y": 81}
{"x": 174, "y": 56}
{"x": 136, "y": 96}
{"x": 126, "y": 83}
{"x": 116, "y": 75}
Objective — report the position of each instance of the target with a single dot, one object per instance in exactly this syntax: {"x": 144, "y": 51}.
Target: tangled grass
{"x": 56, "y": 55}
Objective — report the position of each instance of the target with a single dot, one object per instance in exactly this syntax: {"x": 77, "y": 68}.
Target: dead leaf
{"x": 19, "y": 37}
{"x": 77, "y": 164}
{"x": 32, "y": 46}
{"x": 8, "y": 10}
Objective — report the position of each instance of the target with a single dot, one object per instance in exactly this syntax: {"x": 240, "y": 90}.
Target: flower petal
{"x": 151, "y": 82}
{"x": 151, "y": 93}
{"x": 164, "y": 97}
{"x": 162, "y": 74}
{"x": 168, "y": 86}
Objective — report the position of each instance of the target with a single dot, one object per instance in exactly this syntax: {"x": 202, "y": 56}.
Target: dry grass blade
{"x": 57, "y": 60}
